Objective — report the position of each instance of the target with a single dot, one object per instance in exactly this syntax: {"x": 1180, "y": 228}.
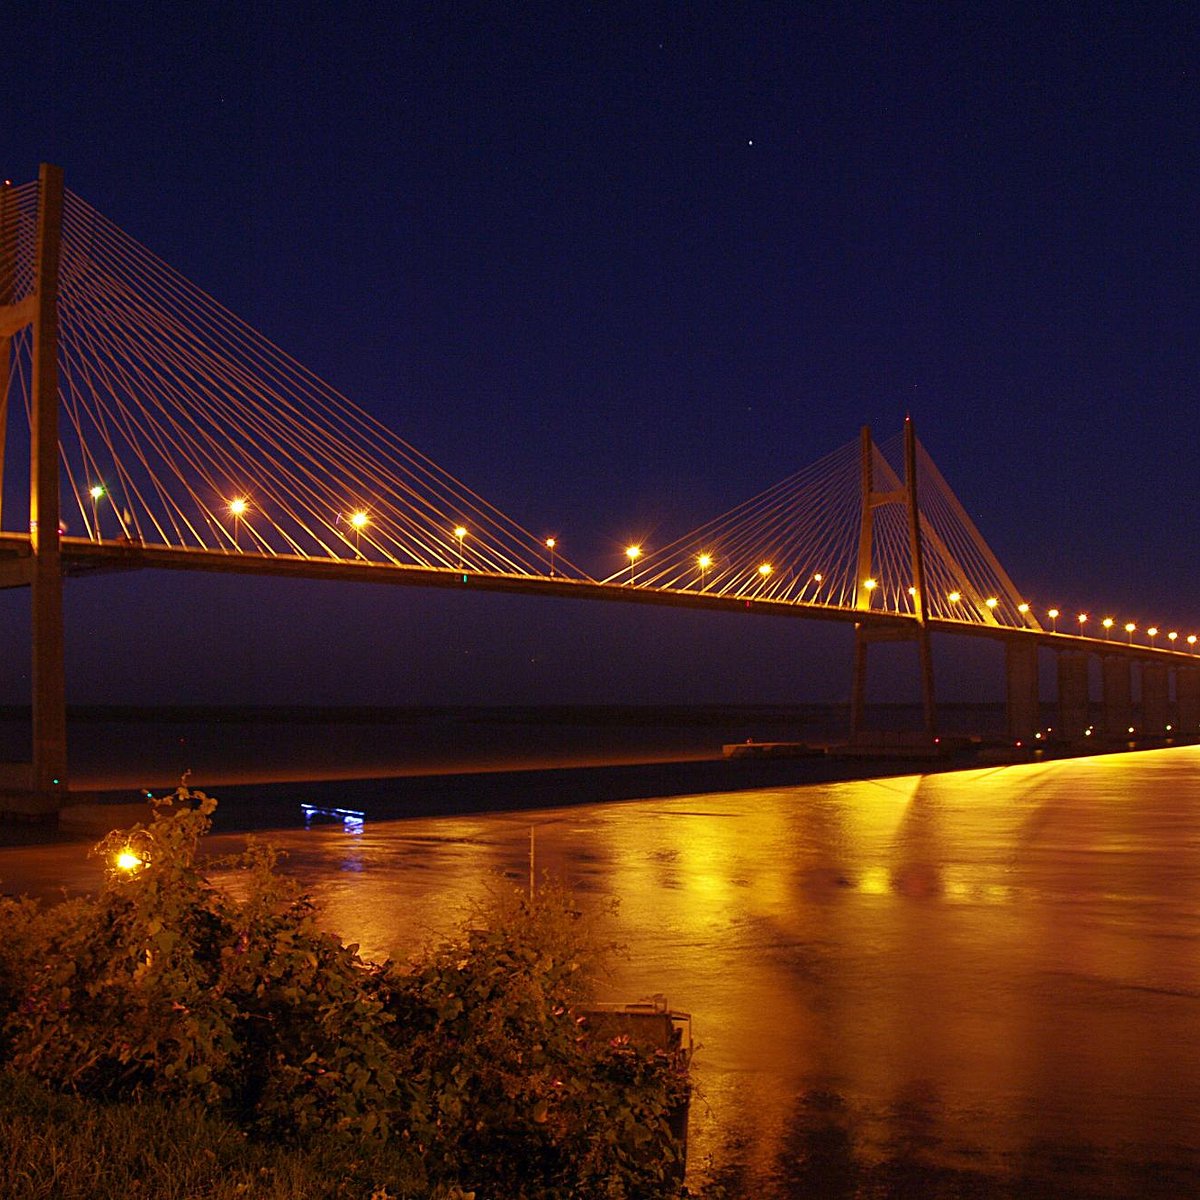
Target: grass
{"x": 61, "y": 1147}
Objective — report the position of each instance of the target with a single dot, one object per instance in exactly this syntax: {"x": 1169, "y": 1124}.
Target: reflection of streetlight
{"x": 1053, "y": 615}
{"x": 550, "y": 544}
{"x": 460, "y": 532}
{"x": 1129, "y": 628}
{"x": 633, "y": 553}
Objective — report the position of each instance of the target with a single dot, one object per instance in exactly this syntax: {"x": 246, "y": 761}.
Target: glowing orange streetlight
{"x": 1053, "y": 615}
{"x": 550, "y": 544}
{"x": 991, "y": 602}
{"x": 1082, "y": 619}
{"x": 1191, "y": 641}
{"x": 633, "y": 553}
{"x": 954, "y": 597}
{"x": 1152, "y": 633}
{"x": 1129, "y": 629}
{"x": 1108, "y": 624}
{"x": 703, "y": 561}
{"x": 238, "y": 507}
{"x": 128, "y": 860}
{"x": 460, "y": 532}
{"x": 358, "y": 522}
{"x": 1172, "y": 637}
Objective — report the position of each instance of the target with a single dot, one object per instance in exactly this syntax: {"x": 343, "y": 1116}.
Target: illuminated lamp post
{"x": 359, "y": 521}
{"x": 1152, "y": 633}
{"x": 237, "y": 508}
{"x": 460, "y": 532}
{"x": 633, "y": 553}
{"x": 1053, "y": 615}
{"x": 703, "y": 561}
{"x": 1108, "y": 624}
{"x": 1082, "y": 619}
{"x": 96, "y": 491}
{"x": 1129, "y": 630}
{"x": 550, "y": 544}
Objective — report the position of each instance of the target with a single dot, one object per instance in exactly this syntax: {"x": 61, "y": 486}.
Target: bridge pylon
{"x": 864, "y": 634}
{"x": 43, "y": 788}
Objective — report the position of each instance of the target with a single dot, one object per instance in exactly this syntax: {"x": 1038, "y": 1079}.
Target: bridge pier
{"x": 1187, "y": 700}
{"x": 1156, "y": 699}
{"x": 40, "y": 788}
{"x": 1021, "y": 671}
{"x": 1074, "y": 707}
{"x": 1117, "y": 679}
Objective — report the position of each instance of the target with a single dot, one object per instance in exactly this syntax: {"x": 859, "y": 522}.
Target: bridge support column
{"x": 1156, "y": 699}
{"x": 49, "y": 684}
{"x": 1074, "y": 710}
{"x": 1117, "y": 678}
{"x": 8, "y": 246}
{"x": 1187, "y": 700}
{"x": 1024, "y": 707}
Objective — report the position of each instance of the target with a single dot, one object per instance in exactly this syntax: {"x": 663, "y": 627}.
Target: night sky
{"x": 619, "y": 267}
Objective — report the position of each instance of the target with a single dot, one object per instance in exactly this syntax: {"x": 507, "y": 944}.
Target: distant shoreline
{"x": 524, "y": 713}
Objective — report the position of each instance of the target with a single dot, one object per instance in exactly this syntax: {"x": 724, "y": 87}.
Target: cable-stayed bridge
{"x": 166, "y": 433}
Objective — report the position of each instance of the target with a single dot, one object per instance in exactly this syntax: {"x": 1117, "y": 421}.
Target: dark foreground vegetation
{"x": 169, "y": 1037}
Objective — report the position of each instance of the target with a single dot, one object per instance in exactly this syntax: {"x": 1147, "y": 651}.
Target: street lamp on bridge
{"x": 1129, "y": 630}
{"x": 237, "y": 508}
{"x": 1053, "y": 615}
{"x": 460, "y": 532}
{"x": 550, "y": 544}
{"x": 633, "y": 553}
{"x": 1108, "y": 624}
{"x": 96, "y": 491}
{"x": 358, "y": 521}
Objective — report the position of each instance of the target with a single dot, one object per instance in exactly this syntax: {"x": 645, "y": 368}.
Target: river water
{"x": 979, "y": 983}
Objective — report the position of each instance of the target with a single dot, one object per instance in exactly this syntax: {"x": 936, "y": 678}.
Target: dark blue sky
{"x": 619, "y": 267}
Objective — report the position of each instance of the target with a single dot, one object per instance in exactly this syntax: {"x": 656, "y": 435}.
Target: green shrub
{"x": 165, "y": 985}
{"x": 471, "y": 1068}
{"x": 512, "y": 1092}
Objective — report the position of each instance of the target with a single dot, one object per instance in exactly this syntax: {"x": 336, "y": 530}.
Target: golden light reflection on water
{"x": 947, "y": 972}
{"x": 954, "y": 967}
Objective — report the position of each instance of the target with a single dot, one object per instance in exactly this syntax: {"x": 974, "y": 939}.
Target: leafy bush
{"x": 473, "y": 1065}
{"x": 512, "y": 1091}
{"x": 164, "y": 985}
